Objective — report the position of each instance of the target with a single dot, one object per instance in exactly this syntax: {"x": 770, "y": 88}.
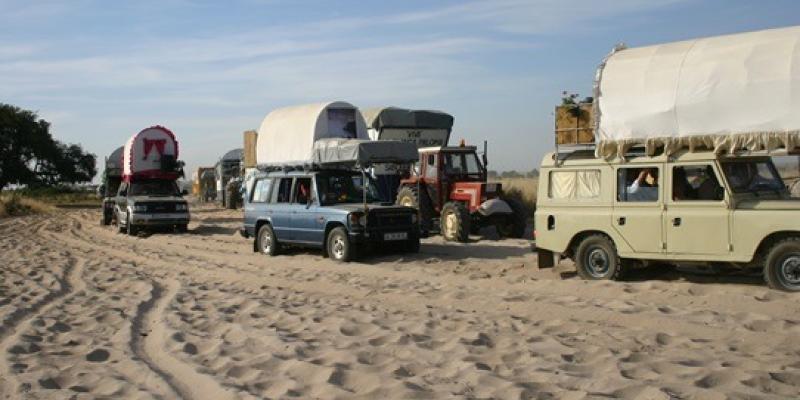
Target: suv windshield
{"x": 752, "y": 176}
{"x": 345, "y": 187}
{"x": 153, "y": 188}
{"x": 462, "y": 164}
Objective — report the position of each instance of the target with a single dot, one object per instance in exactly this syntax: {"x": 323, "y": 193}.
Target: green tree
{"x": 30, "y": 156}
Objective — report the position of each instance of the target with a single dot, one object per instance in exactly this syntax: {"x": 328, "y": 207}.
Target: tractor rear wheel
{"x": 409, "y": 196}
{"x": 455, "y": 222}
{"x": 514, "y": 225}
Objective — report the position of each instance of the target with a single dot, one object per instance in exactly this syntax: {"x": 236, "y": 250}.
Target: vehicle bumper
{"x": 378, "y": 236}
{"x": 160, "y": 219}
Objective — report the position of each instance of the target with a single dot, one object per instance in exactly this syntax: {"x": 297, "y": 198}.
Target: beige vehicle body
{"x": 735, "y": 228}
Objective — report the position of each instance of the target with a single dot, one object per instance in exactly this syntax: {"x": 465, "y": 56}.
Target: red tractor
{"x": 449, "y": 188}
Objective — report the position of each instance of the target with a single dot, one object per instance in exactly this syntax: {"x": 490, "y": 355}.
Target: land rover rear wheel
{"x": 596, "y": 258}
{"x": 339, "y": 247}
{"x": 266, "y": 241}
{"x": 455, "y": 221}
{"x": 782, "y": 271}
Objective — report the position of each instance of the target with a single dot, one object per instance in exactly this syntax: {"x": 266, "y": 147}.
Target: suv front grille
{"x": 160, "y": 207}
{"x": 389, "y": 220}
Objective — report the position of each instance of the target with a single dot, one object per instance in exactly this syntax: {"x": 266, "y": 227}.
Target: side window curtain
{"x": 638, "y": 184}
{"x": 582, "y": 184}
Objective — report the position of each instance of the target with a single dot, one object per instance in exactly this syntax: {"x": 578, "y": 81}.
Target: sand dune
{"x": 88, "y": 312}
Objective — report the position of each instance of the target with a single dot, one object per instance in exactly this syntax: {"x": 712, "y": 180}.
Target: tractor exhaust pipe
{"x": 485, "y": 157}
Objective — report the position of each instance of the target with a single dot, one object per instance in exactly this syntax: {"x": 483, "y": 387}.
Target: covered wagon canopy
{"x": 151, "y": 153}
{"x": 726, "y": 93}
{"x": 287, "y": 135}
{"x": 114, "y": 162}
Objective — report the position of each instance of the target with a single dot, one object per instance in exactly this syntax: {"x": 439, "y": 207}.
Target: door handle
{"x": 676, "y": 221}
{"x": 621, "y": 221}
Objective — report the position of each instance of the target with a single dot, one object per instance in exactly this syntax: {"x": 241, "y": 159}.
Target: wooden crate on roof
{"x": 574, "y": 124}
{"x": 250, "y": 139}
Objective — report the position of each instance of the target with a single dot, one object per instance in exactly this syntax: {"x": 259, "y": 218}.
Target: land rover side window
{"x": 752, "y": 176}
{"x": 695, "y": 183}
{"x": 638, "y": 184}
{"x": 302, "y": 190}
{"x": 261, "y": 190}
{"x": 574, "y": 184}
{"x": 282, "y": 191}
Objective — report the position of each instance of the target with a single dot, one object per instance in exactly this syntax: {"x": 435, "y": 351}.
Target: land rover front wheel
{"x": 266, "y": 241}
{"x": 596, "y": 258}
{"x": 782, "y": 270}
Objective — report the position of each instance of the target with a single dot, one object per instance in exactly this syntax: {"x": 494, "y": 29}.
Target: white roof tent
{"x": 727, "y": 93}
{"x": 424, "y": 128}
{"x": 331, "y": 134}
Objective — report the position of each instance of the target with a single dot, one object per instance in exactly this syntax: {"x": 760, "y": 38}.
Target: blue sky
{"x": 101, "y": 71}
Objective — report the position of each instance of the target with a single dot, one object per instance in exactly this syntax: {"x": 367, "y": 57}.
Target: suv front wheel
{"x": 338, "y": 245}
{"x": 596, "y": 258}
{"x": 782, "y": 270}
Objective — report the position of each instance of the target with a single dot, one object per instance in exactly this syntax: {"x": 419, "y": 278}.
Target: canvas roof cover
{"x": 287, "y": 135}
{"x": 728, "y": 93}
{"x": 114, "y": 162}
{"x": 329, "y": 152}
{"x": 145, "y": 150}
{"x": 394, "y": 117}
{"x": 233, "y": 155}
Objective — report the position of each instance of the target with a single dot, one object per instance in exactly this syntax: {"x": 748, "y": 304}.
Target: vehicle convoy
{"x": 685, "y": 176}
{"x": 312, "y": 188}
{"x": 148, "y": 195}
{"x": 227, "y": 175}
{"x": 447, "y": 184}
{"x": 112, "y": 177}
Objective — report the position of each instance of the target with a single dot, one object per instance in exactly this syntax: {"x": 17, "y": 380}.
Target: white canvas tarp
{"x": 726, "y": 93}
{"x": 145, "y": 151}
{"x": 363, "y": 153}
{"x": 287, "y": 135}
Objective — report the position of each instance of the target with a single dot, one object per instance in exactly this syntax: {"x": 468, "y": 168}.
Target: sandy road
{"x": 88, "y": 312}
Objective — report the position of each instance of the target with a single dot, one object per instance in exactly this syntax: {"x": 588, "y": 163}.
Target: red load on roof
{"x": 151, "y": 154}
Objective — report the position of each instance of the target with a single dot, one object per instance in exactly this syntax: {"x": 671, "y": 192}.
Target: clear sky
{"x": 101, "y": 71}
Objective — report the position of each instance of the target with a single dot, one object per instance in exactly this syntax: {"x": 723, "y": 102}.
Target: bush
{"x": 14, "y": 205}
{"x": 522, "y": 189}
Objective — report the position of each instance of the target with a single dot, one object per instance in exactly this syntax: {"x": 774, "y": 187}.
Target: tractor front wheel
{"x": 455, "y": 222}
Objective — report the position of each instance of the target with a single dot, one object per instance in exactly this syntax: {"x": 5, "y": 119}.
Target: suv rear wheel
{"x": 455, "y": 221}
{"x": 782, "y": 270}
{"x": 266, "y": 241}
{"x": 596, "y": 258}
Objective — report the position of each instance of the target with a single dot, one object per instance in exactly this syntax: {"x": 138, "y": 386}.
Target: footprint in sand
{"x": 98, "y": 355}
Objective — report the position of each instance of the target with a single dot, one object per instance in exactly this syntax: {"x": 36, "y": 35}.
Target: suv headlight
{"x": 358, "y": 219}
{"x": 181, "y": 207}
{"x": 139, "y": 208}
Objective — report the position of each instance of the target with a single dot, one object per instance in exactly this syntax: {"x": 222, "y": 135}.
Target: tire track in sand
{"x": 20, "y": 320}
{"x": 148, "y": 341}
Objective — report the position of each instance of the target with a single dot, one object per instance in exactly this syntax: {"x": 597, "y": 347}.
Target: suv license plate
{"x": 395, "y": 236}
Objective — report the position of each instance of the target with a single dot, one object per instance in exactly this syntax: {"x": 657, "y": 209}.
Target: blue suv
{"x": 336, "y": 210}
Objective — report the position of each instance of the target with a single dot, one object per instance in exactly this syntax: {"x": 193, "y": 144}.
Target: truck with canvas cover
{"x": 682, "y": 171}
{"x": 228, "y": 177}
{"x": 312, "y": 188}
{"x": 112, "y": 178}
{"x": 148, "y": 195}
{"x": 447, "y": 184}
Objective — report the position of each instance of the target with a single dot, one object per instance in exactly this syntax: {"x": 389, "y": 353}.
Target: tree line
{"x": 30, "y": 156}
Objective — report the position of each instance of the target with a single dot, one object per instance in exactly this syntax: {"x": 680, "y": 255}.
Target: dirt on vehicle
{"x": 89, "y": 312}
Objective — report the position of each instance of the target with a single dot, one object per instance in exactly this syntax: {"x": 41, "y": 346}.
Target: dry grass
{"x": 523, "y": 189}
{"x": 14, "y": 205}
